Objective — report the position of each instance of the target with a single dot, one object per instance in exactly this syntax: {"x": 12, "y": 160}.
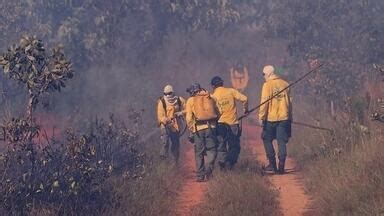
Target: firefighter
{"x": 275, "y": 116}
{"x": 229, "y": 130}
{"x": 201, "y": 118}
{"x": 170, "y": 109}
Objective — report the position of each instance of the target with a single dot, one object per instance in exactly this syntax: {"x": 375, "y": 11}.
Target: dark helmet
{"x": 194, "y": 88}
{"x": 217, "y": 81}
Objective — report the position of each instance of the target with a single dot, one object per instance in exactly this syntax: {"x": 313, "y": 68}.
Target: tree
{"x": 41, "y": 72}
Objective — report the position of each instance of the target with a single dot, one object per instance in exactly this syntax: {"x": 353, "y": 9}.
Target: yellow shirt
{"x": 169, "y": 113}
{"x": 226, "y": 102}
{"x": 190, "y": 117}
{"x": 279, "y": 108}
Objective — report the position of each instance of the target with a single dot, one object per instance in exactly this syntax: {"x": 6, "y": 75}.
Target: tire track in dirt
{"x": 292, "y": 197}
{"x": 191, "y": 193}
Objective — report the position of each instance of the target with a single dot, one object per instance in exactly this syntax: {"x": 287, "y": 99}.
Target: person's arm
{"x": 263, "y": 110}
{"x": 189, "y": 114}
{"x": 242, "y": 98}
{"x": 290, "y": 105}
{"x": 216, "y": 106}
{"x": 161, "y": 115}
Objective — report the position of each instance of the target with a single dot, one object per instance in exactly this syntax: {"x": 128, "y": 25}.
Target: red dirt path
{"x": 292, "y": 198}
{"x": 192, "y": 192}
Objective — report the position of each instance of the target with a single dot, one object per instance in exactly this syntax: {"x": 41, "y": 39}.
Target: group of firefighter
{"x": 213, "y": 124}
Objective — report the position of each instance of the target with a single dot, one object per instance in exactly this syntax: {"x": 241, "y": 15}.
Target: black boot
{"x": 271, "y": 166}
{"x": 281, "y": 166}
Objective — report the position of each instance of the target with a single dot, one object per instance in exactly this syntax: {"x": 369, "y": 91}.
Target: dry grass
{"x": 345, "y": 172}
{"x": 147, "y": 188}
{"x": 152, "y": 195}
{"x": 241, "y": 192}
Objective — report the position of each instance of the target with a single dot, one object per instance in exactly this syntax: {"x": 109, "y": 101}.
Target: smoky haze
{"x": 124, "y": 52}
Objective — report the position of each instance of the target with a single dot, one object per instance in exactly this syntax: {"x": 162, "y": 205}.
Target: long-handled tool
{"x": 313, "y": 126}
{"x": 306, "y": 125}
{"x": 275, "y": 95}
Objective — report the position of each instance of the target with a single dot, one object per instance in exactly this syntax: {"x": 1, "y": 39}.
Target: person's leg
{"x": 235, "y": 144}
{"x": 267, "y": 136}
{"x": 222, "y": 134}
{"x": 211, "y": 150}
{"x": 199, "y": 155}
{"x": 175, "y": 146}
{"x": 164, "y": 138}
{"x": 282, "y": 136}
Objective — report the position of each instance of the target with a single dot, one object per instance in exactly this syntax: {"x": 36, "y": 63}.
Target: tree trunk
{"x": 30, "y": 109}
{"x": 32, "y": 156}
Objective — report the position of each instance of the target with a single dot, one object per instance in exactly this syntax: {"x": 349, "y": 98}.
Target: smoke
{"x": 129, "y": 61}
{"x": 184, "y": 58}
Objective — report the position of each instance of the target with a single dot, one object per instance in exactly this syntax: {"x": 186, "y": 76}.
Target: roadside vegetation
{"x": 96, "y": 168}
{"x": 343, "y": 170}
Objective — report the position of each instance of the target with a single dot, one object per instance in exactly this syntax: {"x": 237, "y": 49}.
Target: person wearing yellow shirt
{"x": 201, "y": 118}
{"x": 229, "y": 130}
{"x": 169, "y": 110}
{"x": 275, "y": 116}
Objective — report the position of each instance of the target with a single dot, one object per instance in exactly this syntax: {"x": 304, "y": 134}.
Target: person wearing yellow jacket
{"x": 201, "y": 118}
{"x": 275, "y": 116}
{"x": 169, "y": 110}
{"x": 229, "y": 131}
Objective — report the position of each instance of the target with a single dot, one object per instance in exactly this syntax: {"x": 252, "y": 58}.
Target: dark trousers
{"x": 279, "y": 130}
{"x": 170, "y": 140}
{"x": 205, "y": 143}
{"x": 229, "y": 143}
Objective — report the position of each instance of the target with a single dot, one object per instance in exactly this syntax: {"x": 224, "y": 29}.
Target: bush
{"x": 70, "y": 176}
{"x": 344, "y": 171}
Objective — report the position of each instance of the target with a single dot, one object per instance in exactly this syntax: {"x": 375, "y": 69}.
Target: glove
{"x": 261, "y": 123}
{"x": 166, "y": 120}
{"x": 179, "y": 114}
{"x": 246, "y": 111}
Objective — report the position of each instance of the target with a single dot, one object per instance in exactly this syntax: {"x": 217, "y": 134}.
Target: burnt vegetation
{"x": 67, "y": 175}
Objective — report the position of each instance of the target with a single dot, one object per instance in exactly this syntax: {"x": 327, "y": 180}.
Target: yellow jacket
{"x": 190, "y": 117}
{"x": 166, "y": 117}
{"x": 226, "y": 103}
{"x": 279, "y": 108}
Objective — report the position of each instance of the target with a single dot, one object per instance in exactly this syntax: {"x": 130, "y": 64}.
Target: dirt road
{"x": 192, "y": 192}
{"x": 292, "y": 198}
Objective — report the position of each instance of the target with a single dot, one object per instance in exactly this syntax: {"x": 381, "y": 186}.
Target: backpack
{"x": 204, "y": 107}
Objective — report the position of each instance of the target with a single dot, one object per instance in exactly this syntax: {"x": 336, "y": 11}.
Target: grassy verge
{"x": 344, "y": 172}
{"x": 152, "y": 195}
{"x": 241, "y": 192}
